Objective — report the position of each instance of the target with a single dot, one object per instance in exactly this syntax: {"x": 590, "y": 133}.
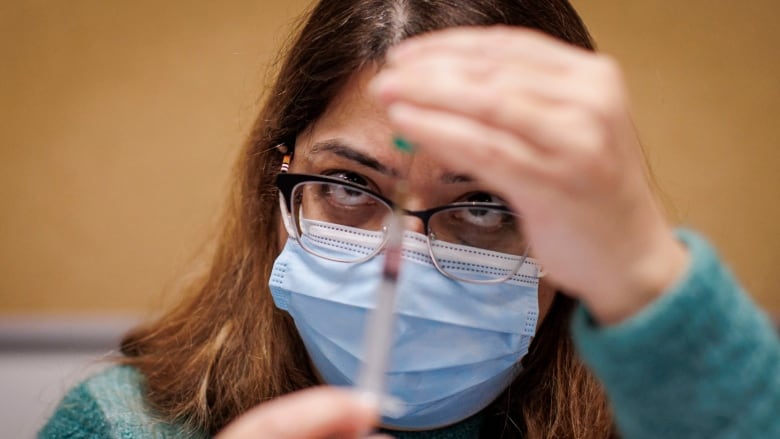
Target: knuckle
{"x": 594, "y": 136}
{"x": 503, "y": 34}
{"x": 597, "y": 168}
{"x": 482, "y": 156}
{"x": 586, "y": 126}
{"x": 493, "y": 106}
{"x": 588, "y": 164}
{"x": 607, "y": 68}
{"x": 606, "y": 78}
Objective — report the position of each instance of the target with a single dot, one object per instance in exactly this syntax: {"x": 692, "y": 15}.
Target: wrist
{"x": 644, "y": 281}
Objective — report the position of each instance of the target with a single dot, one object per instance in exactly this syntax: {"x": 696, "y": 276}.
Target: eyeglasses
{"x": 317, "y": 207}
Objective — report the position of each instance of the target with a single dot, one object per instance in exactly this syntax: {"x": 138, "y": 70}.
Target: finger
{"x": 494, "y": 41}
{"x": 554, "y": 126}
{"x": 447, "y": 88}
{"x": 502, "y": 161}
{"x": 445, "y": 80}
{"x": 314, "y": 413}
{"x": 431, "y": 80}
{"x": 524, "y": 59}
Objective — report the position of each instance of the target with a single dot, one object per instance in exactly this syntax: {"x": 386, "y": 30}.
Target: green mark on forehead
{"x": 402, "y": 144}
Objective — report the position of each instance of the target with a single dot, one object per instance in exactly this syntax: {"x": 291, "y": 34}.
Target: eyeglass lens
{"x": 493, "y": 235}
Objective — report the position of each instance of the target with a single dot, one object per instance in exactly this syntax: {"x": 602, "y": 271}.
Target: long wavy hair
{"x": 226, "y": 348}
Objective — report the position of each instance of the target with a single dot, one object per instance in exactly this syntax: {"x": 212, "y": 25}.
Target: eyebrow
{"x": 339, "y": 148}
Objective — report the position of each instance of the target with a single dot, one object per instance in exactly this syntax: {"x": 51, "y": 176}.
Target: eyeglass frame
{"x": 287, "y": 182}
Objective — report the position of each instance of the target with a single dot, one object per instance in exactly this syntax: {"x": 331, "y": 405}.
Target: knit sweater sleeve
{"x": 111, "y": 404}
{"x": 700, "y": 362}
{"x": 78, "y": 416}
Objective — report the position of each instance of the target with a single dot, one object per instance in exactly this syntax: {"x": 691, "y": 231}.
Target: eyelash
{"x": 481, "y": 194}
{"x": 362, "y": 180}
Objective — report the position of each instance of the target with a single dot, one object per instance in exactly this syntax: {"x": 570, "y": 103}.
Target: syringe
{"x": 380, "y": 324}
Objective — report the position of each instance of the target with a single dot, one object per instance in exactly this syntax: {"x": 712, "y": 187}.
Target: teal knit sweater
{"x": 700, "y": 362}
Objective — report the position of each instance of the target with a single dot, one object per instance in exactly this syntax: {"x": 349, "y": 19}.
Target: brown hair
{"x": 227, "y": 348}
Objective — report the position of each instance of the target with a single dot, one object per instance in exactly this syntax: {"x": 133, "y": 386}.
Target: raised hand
{"x": 546, "y": 126}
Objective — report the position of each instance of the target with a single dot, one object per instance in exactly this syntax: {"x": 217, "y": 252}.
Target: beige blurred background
{"x": 119, "y": 122}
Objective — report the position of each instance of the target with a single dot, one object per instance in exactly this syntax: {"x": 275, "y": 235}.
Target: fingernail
{"x": 398, "y": 51}
{"x": 392, "y": 406}
{"x": 387, "y": 405}
{"x": 368, "y": 400}
{"x": 382, "y": 84}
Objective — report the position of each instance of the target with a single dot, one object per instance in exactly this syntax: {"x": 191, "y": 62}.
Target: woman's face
{"x": 354, "y": 139}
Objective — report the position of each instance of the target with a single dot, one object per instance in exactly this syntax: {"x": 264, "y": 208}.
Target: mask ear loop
{"x": 540, "y": 271}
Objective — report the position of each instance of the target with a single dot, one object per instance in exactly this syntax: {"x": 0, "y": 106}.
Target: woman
{"x": 522, "y": 135}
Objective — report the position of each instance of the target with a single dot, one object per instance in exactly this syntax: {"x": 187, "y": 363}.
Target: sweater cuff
{"x": 661, "y": 358}
{"x": 671, "y": 309}
{"x": 706, "y": 291}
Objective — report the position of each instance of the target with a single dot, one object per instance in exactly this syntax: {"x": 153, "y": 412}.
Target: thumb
{"x": 318, "y": 412}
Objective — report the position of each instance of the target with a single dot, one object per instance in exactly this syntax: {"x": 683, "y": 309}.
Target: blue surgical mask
{"x": 457, "y": 345}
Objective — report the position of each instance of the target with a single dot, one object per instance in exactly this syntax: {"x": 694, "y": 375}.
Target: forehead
{"x": 355, "y": 121}
{"x": 352, "y": 118}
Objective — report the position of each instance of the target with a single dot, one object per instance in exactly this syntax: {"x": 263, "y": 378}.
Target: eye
{"x": 481, "y": 197}
{"x": 345, "y": 196}
{"x": 485, "y": 218}
{"x": 351, "y": 177}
